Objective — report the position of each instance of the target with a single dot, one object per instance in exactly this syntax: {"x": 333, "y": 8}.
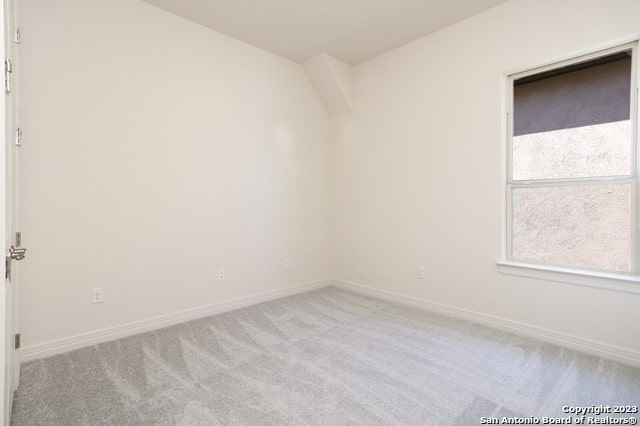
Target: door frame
{"x": 9, "y": 356}
{"x": 5, "y": 408}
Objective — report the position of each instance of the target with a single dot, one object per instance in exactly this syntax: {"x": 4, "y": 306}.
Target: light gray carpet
{"x": 323, "y": 357}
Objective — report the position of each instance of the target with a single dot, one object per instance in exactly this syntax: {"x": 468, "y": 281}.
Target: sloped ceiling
{"x": 350, "y": 30}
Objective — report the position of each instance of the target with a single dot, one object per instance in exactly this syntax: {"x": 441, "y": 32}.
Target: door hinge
{"x": 8, "y": 69}
{"x": 17, "y": 341}
{"x": 18, "y": 239}
{"x": 7, "y": 268}
{"x": 16, "y": 36}
{"x": 18, "y": 142}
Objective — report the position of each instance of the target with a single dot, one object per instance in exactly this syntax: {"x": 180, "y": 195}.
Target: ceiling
{"x": 350, "y": 30}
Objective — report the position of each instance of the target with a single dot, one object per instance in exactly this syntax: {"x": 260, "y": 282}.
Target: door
{"x": 9, "y": 157}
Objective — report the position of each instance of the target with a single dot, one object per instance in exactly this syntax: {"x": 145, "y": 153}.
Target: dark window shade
{"x": 582, "y": 96}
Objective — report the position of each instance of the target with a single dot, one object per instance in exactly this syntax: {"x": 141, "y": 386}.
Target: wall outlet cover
{"x": 97, "y": 295}
{"x": 420, "y": 272}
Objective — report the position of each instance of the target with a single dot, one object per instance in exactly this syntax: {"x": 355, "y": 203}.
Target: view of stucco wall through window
{"x": 582, "y": 225}
{"x": 571, "y": 164}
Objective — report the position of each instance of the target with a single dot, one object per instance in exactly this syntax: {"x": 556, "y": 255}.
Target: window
{"x": 572, "y": 164}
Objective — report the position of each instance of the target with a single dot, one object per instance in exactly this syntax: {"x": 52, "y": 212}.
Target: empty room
{"x": 244, "y": 212}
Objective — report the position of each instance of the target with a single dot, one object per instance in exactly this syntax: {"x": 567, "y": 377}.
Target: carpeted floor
{"x": 323, "y": 357}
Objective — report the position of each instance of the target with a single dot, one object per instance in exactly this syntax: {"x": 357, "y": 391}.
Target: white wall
{"x": 417, "y": 168}
{"x": 155, "y": 151}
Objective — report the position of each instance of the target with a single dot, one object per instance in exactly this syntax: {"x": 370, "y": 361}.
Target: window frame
{"x": 621, "y": 280}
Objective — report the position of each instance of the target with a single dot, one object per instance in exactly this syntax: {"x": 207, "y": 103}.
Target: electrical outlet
{"x": 220, "y": 274}
{"x": 97, "y": 295}
{"x": 287, "y": 264}
{"x": 420, "y": 272}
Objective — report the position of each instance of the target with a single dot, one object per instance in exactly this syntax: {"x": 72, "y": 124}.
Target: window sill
{"x": 603, "y": 280}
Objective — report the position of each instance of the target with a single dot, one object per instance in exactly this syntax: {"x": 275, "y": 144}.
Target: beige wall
{"x": 417, "y": 168}
{"x": 155, "y": 151}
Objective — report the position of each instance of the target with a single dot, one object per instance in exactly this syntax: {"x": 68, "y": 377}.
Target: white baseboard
{"x": 99, "y": 336}
{"x": 591, "y": 347}
{"x": 106, "y": 334}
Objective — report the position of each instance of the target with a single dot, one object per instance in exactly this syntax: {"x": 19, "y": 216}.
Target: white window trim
{"x": 604, "y": 280}
{"x": 609, "y": 280}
